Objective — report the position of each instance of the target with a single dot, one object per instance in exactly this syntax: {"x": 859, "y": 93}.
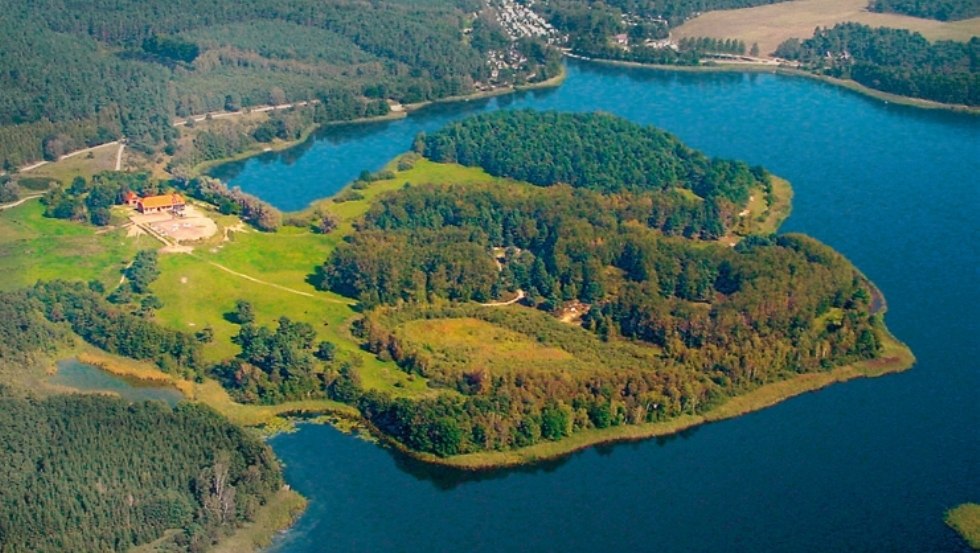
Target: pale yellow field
{"x": 770, "y": 25}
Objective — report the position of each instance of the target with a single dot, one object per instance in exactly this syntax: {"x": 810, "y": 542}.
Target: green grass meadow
{"x": 33, "y": 247}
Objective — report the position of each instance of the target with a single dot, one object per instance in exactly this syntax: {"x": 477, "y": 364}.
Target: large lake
{"x": 869, "y": 465}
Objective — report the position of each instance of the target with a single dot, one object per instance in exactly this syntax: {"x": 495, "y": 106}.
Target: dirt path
{"x": 198, "y": 118}
{"x": 20, "y": 201}
{"x": 520, "y": 295}
{"x": 226, "y": 114}
{"x": 266, "y": 283}
{"x": 122, "y": 146}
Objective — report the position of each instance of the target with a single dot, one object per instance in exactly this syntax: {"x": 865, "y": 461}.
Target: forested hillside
{"x": 893, "y": 60}
{"x": 76, "y": 74}
{"x": 100, "y": 474}
{"x": 595, "y": 151}
{"x": 943, "y": 10}
{"x": 633, "y": 322}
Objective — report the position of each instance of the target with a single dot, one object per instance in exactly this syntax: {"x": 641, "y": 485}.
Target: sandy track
{"x": 20, "y": 201}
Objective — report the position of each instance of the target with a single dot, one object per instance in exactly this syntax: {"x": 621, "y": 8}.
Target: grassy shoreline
{"x": 855, "y": 86}
{"x": 274, "y": 517}
{"x": 271, "y": 418}
{"x": 896, "y": 357}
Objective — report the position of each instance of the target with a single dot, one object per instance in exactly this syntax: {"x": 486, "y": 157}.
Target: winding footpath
{"x": 520, "y": 295}
{"x": 20, "y": 201}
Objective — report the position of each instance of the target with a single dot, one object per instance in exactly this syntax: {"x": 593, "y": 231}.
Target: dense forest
{"x": 893, "y": 60}
{"x": 81, "y": 74}
{"x": 943, "y": 10}
{"x": 669, "y": 325}
{"x": 101, "y": 474}
{"x": 594, "y": 151}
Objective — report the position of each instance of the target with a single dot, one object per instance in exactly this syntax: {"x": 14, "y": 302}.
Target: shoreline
{"x": 896, "y": 357}
{"x": 405, "y": 111}
{"x": 886, "y": 97}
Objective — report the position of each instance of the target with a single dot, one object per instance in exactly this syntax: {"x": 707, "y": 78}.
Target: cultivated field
{"x": 771, "y": 25}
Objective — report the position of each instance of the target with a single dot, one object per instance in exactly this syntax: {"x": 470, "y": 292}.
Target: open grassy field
{"x": 965, "y": 519}
{"x": 86, "y": 164}
{"x": 34, "y": 247}
{"x": 423, "y": 171}
{"x": 199, "y": 289}
{"x": 470, "y": 344}
{"x": 771, "y": 25}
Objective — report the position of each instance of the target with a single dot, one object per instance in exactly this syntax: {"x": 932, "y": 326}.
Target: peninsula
{"x": 479, "y": 305}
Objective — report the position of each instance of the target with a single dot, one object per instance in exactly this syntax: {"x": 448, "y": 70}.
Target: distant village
{"x": 519, "y": 20}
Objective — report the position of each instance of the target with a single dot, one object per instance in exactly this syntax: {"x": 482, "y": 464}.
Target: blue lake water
{"x": 87, "y": 378}
{"x": 869, "y": 465}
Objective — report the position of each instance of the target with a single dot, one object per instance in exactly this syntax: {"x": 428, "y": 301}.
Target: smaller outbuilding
{"x": 130, "y": 198}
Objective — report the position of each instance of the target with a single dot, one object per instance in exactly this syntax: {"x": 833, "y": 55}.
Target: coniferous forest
{"x": 943, "y": 10}
{"x": 893, "y": 60}
{"x": 86, "y": 473}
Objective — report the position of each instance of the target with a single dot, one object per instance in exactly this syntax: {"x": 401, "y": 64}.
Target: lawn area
{"x": 34, "y": 247}
{"x": 770, "y": 25}
{"x": 201, "y": 288}
{"x": 196, "y": 293}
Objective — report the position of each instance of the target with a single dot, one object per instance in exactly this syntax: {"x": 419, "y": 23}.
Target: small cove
{"x": 88, "y": 378}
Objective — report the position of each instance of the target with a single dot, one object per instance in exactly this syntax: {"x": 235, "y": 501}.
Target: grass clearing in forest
{"x": 965, "y": 519}
{"x": 772, "y": 24}
{"x": 196, "y": 293}
{"x": 84, "y": 164}
{"x": 471, "y": 344}
{"x": 34, "y": 247}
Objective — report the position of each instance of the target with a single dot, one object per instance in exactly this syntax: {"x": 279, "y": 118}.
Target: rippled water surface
{"x": 869, "y": 465}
